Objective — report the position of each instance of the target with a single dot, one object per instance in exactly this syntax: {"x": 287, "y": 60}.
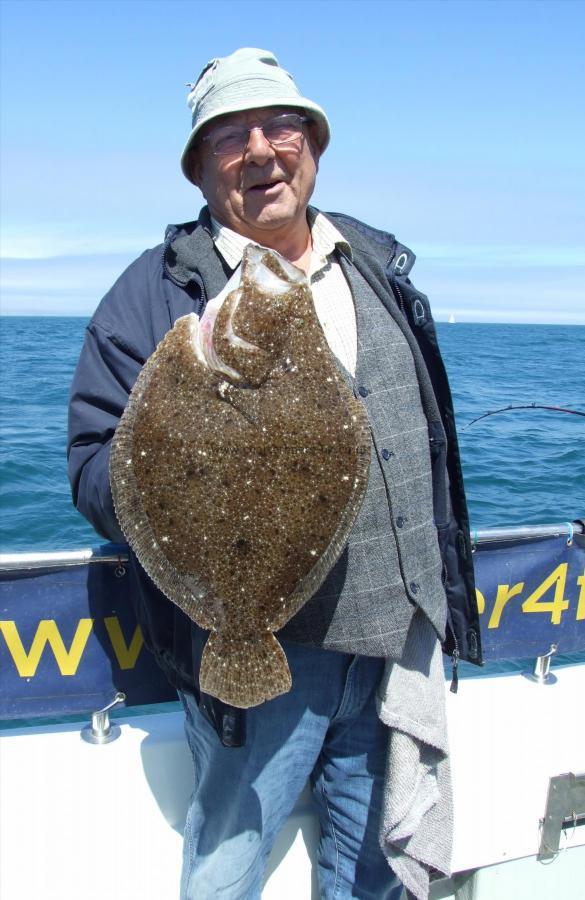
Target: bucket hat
{"x": 247, "y": 79}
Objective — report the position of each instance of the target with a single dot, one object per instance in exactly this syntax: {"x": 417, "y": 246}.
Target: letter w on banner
{"x": 69, "y": 640}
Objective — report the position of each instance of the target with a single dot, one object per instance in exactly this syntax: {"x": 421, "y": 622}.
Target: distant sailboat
{"x": 451, "y": 319}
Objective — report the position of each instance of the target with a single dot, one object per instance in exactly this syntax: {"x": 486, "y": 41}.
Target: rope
{"x": 493, "y": 412}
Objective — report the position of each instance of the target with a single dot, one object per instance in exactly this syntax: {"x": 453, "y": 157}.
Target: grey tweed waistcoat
{"x": 391, "y": 564}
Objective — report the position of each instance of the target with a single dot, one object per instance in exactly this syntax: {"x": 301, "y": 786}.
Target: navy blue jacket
{"x": 176, "y": 278}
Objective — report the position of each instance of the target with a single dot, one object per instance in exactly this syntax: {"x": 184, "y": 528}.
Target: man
{"x": 254, "y": 152}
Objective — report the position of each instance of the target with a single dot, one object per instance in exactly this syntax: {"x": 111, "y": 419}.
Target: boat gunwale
{"x": 118, "y": 553}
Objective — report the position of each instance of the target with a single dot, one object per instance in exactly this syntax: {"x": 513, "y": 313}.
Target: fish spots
{"x": 238, "y": 494}
{"x": 195, "y": 472}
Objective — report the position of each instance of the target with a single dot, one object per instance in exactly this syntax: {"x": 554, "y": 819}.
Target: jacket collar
{"x": 190, "y": 256}
{"x": 393, "y": 256}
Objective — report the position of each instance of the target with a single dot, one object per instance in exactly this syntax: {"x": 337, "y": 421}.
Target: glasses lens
{"x": 230, "y": 140}
{"x": 225, "y": 141}
{"x": 282, "y": 129}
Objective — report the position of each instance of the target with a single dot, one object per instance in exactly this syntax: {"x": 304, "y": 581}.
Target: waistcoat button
{"x": 363, "y": 391}
{"x": 400, "y": 521}
{"x": 414, "y": 587}
{"x": 386, "y": 454}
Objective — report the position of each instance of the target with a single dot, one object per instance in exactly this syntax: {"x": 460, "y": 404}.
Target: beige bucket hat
{"x": 247, "y": 79}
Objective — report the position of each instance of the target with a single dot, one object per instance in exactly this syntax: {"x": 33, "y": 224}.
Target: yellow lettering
{"x": 556, "y": 606}
{"x": 581, "y": 601}
{"x": 505, "y": 593}
{"x": 126, "y": 655}
{"x": 480, "y": 601}
{"x": 46, "y": 633}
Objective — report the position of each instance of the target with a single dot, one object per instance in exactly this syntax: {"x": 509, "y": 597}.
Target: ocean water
{"x": 520, "y": 467}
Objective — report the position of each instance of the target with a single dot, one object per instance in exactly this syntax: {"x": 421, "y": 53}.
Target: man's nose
{"x": 258, "y": 149}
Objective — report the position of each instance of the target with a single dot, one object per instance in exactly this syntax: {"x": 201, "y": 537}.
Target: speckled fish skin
{"x": 238, "y": 491}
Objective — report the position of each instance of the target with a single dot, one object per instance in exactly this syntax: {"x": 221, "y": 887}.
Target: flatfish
{"x": 238, "y": 468}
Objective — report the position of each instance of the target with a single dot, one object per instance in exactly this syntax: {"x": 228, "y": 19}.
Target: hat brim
{"x": 316, "y": 114}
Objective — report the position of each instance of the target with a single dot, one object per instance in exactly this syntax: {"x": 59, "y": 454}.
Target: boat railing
{"x": 12, "y": 562}
{"x": 71, "y": 641}
{"x": 118, "y": 553}
{"x": 526, "y": 532}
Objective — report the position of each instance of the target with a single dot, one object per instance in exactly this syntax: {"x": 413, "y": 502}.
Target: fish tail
{"x": 244, "y": 672}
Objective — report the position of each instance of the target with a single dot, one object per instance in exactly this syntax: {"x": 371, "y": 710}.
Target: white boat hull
{"x": 94, "y": 822}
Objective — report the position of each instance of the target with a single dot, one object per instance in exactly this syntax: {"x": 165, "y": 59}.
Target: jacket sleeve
{"x": 105, "y": 374}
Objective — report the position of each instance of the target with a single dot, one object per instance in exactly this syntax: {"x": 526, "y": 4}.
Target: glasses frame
{"x": 247, "y": 131}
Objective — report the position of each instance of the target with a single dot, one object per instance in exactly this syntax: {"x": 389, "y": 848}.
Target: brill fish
{"x": 238, "y": 469}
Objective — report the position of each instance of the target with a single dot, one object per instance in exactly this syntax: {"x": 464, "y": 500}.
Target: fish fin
{"x": 244, "y": 673}
{"x": 245, "y": 401}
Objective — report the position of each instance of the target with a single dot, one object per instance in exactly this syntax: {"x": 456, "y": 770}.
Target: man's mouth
{"x": 265, "y": 186}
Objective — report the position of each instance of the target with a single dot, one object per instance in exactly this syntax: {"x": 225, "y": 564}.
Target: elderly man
{"x": 254, "y": 152}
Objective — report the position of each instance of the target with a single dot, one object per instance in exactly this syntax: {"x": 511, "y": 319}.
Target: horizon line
{"x": 437, "y": 320}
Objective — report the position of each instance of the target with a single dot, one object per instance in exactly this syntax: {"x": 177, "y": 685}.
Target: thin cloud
{"x": 463, "y": 283}
{"x": 499, "y": 255}
{"x": 54, "y": 242}
{"x": 64, "y": 285}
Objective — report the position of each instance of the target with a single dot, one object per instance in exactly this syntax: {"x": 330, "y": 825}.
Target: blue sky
{"x": 459, "y": 126}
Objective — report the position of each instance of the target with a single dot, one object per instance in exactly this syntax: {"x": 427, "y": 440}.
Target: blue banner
{"x": 69, "y": 639}
{"x": 531, "y": 594}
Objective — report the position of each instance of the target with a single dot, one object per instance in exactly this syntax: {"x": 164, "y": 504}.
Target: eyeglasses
{"x": 228, "y": 140}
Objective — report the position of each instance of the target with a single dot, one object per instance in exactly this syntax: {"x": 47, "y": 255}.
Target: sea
{"x": 521, "y": 466}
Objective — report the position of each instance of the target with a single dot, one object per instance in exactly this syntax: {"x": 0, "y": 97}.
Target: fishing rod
{"x": 493, "y": 412}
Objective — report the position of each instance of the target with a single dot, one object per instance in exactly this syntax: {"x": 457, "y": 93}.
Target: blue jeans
{"x": 325, "y": 729}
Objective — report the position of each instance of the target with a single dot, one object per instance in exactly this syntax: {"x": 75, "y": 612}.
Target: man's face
{"x": 265, "y": 190}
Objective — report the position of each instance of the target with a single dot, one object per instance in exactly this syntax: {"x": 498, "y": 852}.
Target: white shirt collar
{"x": 325, "y": 237}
